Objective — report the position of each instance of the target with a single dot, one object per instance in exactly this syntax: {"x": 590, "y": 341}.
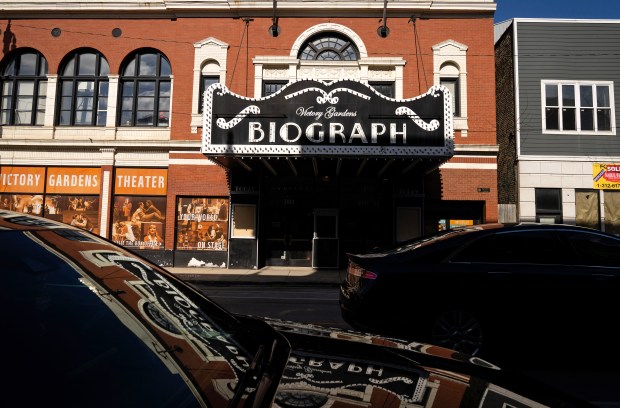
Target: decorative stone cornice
{"x": 286, "y": 8}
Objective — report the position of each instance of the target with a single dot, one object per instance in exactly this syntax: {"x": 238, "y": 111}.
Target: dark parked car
{"x": 86, "y": 323}
{"x": 550, "y": 291}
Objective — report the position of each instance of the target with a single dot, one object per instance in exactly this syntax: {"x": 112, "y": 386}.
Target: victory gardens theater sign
{"x": 339, "y": 118}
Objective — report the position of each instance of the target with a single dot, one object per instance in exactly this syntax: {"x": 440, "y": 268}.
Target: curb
{"x": 267, "y": 275}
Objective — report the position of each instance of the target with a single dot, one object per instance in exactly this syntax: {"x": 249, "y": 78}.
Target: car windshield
{"x": 79, "y": 310}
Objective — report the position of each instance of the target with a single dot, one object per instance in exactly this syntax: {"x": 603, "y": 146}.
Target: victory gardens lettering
{"x": 341, "y": 117}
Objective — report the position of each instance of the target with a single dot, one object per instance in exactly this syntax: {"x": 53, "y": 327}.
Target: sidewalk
{"x": 267, "y": 275}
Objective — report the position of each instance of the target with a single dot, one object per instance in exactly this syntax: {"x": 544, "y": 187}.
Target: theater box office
{"x": 319, "y": 169}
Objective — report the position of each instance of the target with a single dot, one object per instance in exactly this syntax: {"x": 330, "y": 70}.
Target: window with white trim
{"x": 453, "y": 85}
{"x": 271, "y": 87}
{"x": 210, "y": 57}
{"x": 205, "y": 82}
{"x": 450, "y": 70}
{"x": 578, "y": 107}
{"x": 327, "y": 52}
{"x": 327, "y": 46}
{"x": 384, "y": 88}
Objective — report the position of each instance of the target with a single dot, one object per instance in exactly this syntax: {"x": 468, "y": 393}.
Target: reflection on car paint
{"x": 211, "y": 353}
{"x": 209, "y": 359}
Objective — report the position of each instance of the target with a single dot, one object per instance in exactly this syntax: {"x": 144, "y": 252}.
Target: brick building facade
{"x": 104, "y": 105}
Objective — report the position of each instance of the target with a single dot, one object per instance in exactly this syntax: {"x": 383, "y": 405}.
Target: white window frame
{"x": 210, "y": 57}
{"x": 450, "y": 61}
{"x": 577, "y": 86}
{"x": 454, "y": 86}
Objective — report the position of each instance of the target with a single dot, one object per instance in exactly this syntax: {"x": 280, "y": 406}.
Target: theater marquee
{"x": 340, "y": 118}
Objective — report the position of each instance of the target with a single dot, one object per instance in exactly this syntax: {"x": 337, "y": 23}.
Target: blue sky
{"x": 604, "y": 9}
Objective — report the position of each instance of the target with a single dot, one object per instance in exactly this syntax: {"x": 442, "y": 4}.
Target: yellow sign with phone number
{"x": 606, "y": 176}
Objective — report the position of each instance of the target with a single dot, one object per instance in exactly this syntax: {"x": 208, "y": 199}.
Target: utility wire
{"x": 245, "y": 29}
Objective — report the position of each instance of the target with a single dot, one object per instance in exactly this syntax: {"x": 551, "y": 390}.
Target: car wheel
{"x": 458, "y": 330}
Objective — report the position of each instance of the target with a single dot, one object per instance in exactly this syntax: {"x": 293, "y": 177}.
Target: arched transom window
{"x": 329, "y": 47}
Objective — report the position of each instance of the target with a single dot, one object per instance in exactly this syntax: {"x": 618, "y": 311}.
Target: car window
{"x": 595, "y": 249}
{"x": 528, "y": 246}
{"x": 83, "y": 310}
{"x": 65, "y": 333}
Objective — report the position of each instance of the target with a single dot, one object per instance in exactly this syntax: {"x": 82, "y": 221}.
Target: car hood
{"x": 330, "y": 366}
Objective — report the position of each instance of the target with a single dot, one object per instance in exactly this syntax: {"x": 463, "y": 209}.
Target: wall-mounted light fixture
{"x": 274, "y": 29}
{"x": 383, "y": 29}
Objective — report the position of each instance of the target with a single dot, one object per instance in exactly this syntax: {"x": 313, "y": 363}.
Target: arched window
{"x": 329, "y": 47}
{"x": 145, "y": 90}
{"x": 450, "y": 70}
{"x": 83, "y": 90}
{"x": 23, "y": 89}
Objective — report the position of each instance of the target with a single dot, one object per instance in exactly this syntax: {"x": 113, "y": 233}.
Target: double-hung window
{"x": 578, "y": 107}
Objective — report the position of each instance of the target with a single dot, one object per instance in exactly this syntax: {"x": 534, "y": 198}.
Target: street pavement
{"x": 266, "y": 275}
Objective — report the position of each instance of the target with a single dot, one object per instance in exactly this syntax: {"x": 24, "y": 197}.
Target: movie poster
{"x": 202, "y": 224}
{"x": 138, "y": 221}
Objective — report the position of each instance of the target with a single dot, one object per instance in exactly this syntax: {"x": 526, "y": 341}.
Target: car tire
{"x": 458, "y": 330}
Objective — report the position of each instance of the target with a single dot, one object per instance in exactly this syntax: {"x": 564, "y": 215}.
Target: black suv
{"x": 509, "y": 293}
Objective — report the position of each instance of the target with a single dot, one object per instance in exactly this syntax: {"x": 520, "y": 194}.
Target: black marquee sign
{"x": 339, "y": 118}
